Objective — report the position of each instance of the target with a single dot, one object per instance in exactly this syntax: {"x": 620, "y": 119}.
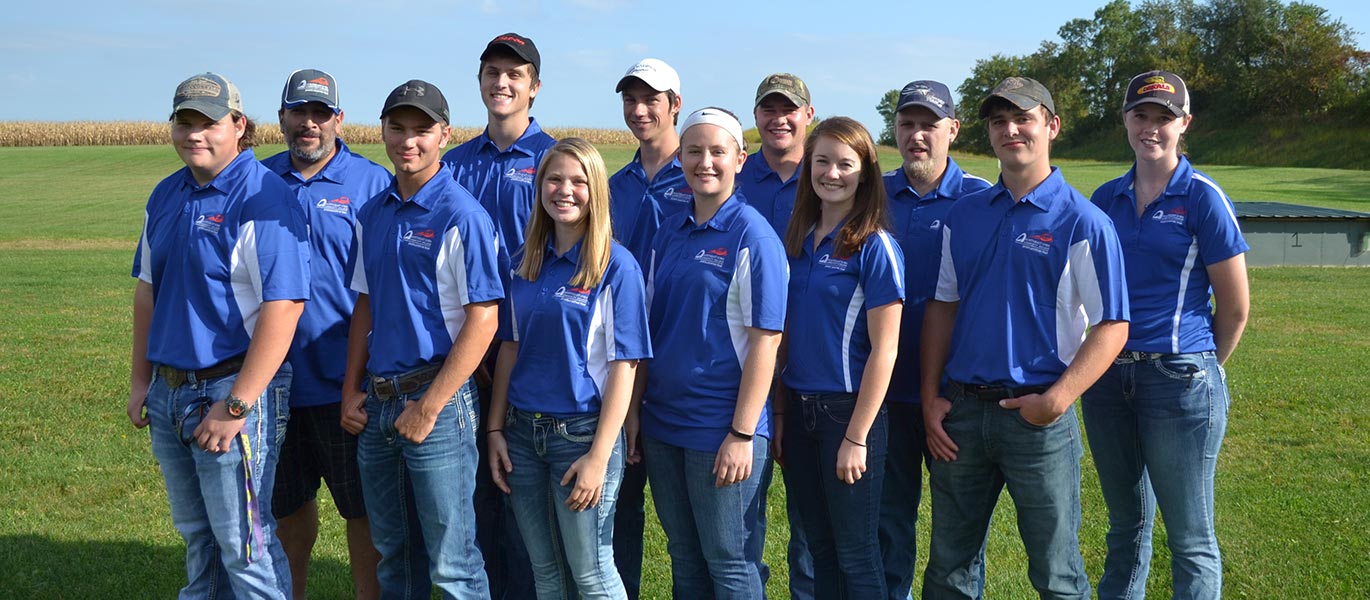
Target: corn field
{"x": 142, "y": 133}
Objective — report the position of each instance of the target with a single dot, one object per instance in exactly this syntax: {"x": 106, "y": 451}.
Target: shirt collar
{"x": 572, "y": 256}
{"x": 1178, "y": 185}
{"x": 520, "y": 145}
{"x": 948, "y": 187}
{"x": 1046, "y": 196}
{"x": 429, "y": 194}
{"x": 722, "y": 220}
{"x": 221, "y": 182}
{"x": 764, "y": 170}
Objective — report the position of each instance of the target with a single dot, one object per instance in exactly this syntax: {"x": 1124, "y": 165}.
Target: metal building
{"x": 1283, "y": 234}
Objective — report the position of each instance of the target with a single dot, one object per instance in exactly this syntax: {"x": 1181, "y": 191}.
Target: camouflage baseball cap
{"x": 786, "y": 85}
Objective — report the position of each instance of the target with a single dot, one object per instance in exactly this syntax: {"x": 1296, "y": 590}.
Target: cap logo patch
{"x": 510, "y": 38}
{"x": 313, "y": 86}
{"x": 1160, "y": 86}
{"x": 199, "y": 86}
{"x": 1012, "y": 83}
{"x": 416, "y": 90}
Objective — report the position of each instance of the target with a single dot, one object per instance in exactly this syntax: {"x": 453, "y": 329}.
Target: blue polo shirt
{"x": 829, "y": 297}
{"x": 760, "y": 186}
{"x": 706, "y": 284}
{"x": 1190, "y": 226}
{"x": 916, "y": 223}
{"x": 637, "y": 206}
{"x": 331, "y": 201}
{"x": 502, "y": 180}
{"x": 1029, "y": 275}
{"x": 567, "y": 336}
{"x": 422, "y": 260}
{"x": 213, "y": 254}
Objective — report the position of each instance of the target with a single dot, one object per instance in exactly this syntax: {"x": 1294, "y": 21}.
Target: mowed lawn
{"x": 83, "y": 513}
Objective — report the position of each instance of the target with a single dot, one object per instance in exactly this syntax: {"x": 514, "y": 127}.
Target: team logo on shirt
{"x": 210, "y": 224}
{"x": 421, "y": 239}
{"x": 936, "y": 224}
{"x": 337, "y": 206}
{"x": 573, "y": 295}
{"x": 1174, "y": 216}
{"x": 713, "y": 258}
{"x": 521, "y": 175}
{"x": 684, "y": 194}
{"x": 1036, "y": 242}
{"x": 836, "y": 263}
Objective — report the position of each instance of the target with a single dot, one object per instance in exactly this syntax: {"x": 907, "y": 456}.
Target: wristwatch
{"x": 236, "y": 407}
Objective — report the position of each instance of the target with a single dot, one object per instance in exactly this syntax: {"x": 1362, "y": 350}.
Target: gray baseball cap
{"x": 209, "y": 94}
{"x": 421, "y": 95}
{"x": 1024, "y": 92}
{"x": 310, "y": 85}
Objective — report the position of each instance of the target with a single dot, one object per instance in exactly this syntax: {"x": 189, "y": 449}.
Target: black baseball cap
{"x": 522, "y": 47}
{"x": 421, "y": 95}
{"x": 1024, "y": 92}
{"x": 932, "y": 95}
{"x": 310, "y": 85}
{"x": 1158, "y": 87}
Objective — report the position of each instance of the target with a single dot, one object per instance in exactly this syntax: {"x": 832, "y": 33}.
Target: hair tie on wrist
{"x": 844, "y": 436}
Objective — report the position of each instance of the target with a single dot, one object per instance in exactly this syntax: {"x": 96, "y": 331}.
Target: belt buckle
{"x": 383, "y": 388}
{"x": 174, "y": 377}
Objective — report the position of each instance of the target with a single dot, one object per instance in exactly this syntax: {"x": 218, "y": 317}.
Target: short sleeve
{"x": 947, "y": 290}
{"x": 470, "y": 256}
{"x": 882, "y": 270}
{"x": 628, "y": 334}
{"x": 274, "y": 244}
{"x": 1215, "y": 222}
{"x": 356, "y": 271}
{"x": 768, "y": 281}
{"x": 1096, "y": 264}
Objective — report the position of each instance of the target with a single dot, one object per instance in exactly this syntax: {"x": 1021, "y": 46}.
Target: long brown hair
{"x": 868, "y": 213}
{"x": 599, "y": 235}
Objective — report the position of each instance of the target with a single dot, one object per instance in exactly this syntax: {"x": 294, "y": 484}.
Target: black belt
{"x": 176, "y": 377}
{"x": 995, "y": 393}
{"x": 389, "y": 388}
{"x": 1132, "y": 356}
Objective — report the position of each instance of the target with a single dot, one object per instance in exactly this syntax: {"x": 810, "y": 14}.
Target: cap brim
{"x": 432, "y": 114}
{"x": 936, "y": 110}
{"x": 285, "y": 105}
{"x": 1023, "y": 102}
{"x": 1175, "y": 110}
{"x": 791, "y": 96}
{"x": 208, "y": 109}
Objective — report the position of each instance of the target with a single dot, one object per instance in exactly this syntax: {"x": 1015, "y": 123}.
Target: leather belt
{"x": 176, "y": 377}
{"x": 1131, "y": 356}
{"x": 995, "y": 393}
{"x": 389, "y": 388}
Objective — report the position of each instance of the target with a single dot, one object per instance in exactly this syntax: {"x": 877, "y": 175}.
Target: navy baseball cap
{"x": 932, "y": 95}
{"x": 310, "y": 85}
{"x": 1158, "y": 87}
{"x": 1024, "y": 92}
{"x": 209, "y": 94}
{"x": 419, "y": 94}
{"x": 522, "y": 47}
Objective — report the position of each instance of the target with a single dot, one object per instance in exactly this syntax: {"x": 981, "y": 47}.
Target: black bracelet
{"x": 494, "y": 431}
{"x": 745, "y": 436}
{"x": 844, "y": 436}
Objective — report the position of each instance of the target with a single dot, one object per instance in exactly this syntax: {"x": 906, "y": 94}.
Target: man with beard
{"x": 332, "y": 184}
{"x": 920, "y": 193}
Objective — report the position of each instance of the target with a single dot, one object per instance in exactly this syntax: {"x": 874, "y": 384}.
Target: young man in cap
{"x": 647, "y": 189}
{"x": 1030, "y": 309}
{"x": 768, "y": 183}
{"x": 332, "y": 185}
{"x": 498, "y": 167}
{"x": 921, "y": 191}
{"x": 223, "y": 275}
{"x": 425, "y": 269}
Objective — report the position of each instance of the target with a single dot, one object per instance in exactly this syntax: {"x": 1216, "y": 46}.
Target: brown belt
{"x": 176, "y": 378}
{"x": 389, "y": 388}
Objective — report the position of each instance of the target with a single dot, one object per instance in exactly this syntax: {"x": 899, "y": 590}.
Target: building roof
{"x": 1281, "y": 210}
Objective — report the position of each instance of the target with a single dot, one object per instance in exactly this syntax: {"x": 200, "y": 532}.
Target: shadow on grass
{"x": 38, "y": 567}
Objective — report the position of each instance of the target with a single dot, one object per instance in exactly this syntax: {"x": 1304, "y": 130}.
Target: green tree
{"x": 888, "y": 103}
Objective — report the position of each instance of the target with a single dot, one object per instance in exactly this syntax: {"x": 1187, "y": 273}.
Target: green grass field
{"x": 83, "y": 513}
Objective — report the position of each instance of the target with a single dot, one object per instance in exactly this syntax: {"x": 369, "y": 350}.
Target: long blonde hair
{"x": 594, "y": 247}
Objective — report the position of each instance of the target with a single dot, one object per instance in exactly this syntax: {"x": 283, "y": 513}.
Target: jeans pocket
{"x": 839, "y": 410}
{"x": 1181, "y": 367}
{"x": 578, "y": 430}
{"x": 1031, "y": 425}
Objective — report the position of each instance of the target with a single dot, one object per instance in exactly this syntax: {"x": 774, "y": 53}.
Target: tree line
{"x": 1242, "y": 59}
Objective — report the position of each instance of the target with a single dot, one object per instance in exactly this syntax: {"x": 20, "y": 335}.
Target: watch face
{"x": 236, "y": 407}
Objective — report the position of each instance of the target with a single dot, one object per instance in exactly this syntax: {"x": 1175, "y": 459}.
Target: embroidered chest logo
{"x": 713, "y": 258}
{"x": 935, "y": 225}
{"x": 210, "y": 224}
{"x": 337, "y": 206}
{"x": 1036, "y": 242}
{"x": 836, "y": 263}
{"x": 520, "y": 175}
{"x": 572, "y": 295}
{"x": 1174, "y": 216}
{"x": 684, "y": 194}
{"x": 421, "y": 239}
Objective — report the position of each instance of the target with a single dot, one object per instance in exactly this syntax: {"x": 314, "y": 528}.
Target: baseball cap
{"x": 310, "y": 85}
{"x": 421, "y": 95}
{"x": 786, "y": 85}
{"x": 932, "y": 95}
{"x": 1158, "y": 87}
{"x": 521, "y": 46}
{"x": 1024, "y": 92}
{"x": 209, "y": 94}
{"x": 715, "y": 116}
{"x": 655, "y": 73}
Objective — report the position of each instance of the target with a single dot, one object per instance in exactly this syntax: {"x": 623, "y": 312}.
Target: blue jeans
{"x": 841, "y": 521}
{"x": 903, "y": 490}
{"x": 1040, "y": 466}
{"x": 797, "y": 550}
{"x": 630, "y": 519}
{"x": 208, "y": 490}
{"x": 418, "y": 499}
{"x": 707, "y": 528}
{"x": 572, "y": 552}
{"x": 1166, "y": 412}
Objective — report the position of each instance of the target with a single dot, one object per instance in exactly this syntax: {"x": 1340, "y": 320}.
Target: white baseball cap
{"x": 655, "y": 73}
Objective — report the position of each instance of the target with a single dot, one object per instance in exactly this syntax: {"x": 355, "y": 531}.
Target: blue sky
{"x": 88, "y": 60}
